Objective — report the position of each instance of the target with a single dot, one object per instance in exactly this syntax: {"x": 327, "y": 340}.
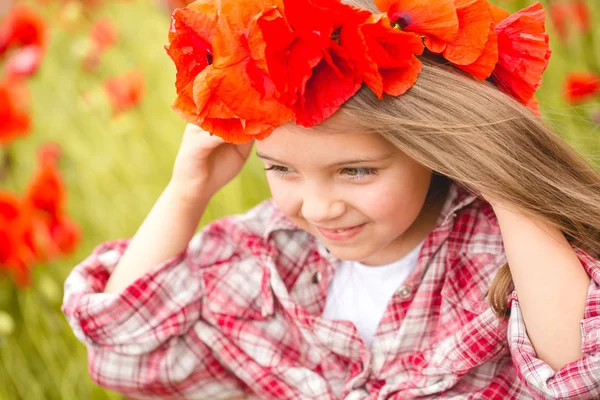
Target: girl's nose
{"x": 319, "y": 209}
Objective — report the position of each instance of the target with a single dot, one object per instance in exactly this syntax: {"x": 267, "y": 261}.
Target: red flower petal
{"x": 125, "y": 91}
{"x": 23, "y": 26}
{"x": 323, "y": 16}
{"x": 46, "y": 191}
{"x": 190, "y": 37}
{"x": 523, "y": 53}
{"x": 287, "y": 56}
{"x": 534, "y": 106}
{"x": 23, "y": 62}
{"x": 397, "y": 81}
{"x": 498, "y": 13}
{"x": 16, "y": 231}
{"x": 333, "y": 82}
{"x": 236, "y": 90}
{"x": 483, "y": 67}
{"x": 560, "y": 13}
{"x": 581, "y": 13}
{"x": 581, "y": 86}
{"x": 214, "y": 92}
{"x": 103, "y": 34}
{"x": 437, "y": 19}
{"x": 475, "y": 21}
{"x": 230, "y": 43}
{"x": 375, "y": 46}
{"x": 14, "y": 117}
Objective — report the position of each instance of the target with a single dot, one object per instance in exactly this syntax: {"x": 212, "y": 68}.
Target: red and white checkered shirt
{"x": 238, "y": 314}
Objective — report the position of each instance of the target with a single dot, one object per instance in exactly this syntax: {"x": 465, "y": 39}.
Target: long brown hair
{"x": 481, "y": 138}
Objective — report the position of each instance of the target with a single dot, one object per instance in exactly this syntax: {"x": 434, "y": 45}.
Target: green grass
{"x": 116, "y": 167}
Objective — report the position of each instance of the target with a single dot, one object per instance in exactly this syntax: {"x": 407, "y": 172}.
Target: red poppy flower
{"x": 23, "y": 26}
{"x": 218, "y": 84}
{"x": 385, "y": 57}
{"x": 304, "y": 51}
{"x": 16, "y": 236}
{"x": 24, "y": 62}
{"x": 23, "y": 39}
{"x": 125, "y": 91}
{"x": 461, "y": 30}
{"x": 581, "y": 14}
{"x": 581, "y": 86}
{"x": 560, "y": 14}
{"x": 574, "y": 13}
{"x": 103, "y": 34}
{"x": 46, "y": 190}
{"x": 436, "y": 20}
{"x": 14, "y": 117}
{"x": 45, "y": 196}
{"x": 524, "y": 53}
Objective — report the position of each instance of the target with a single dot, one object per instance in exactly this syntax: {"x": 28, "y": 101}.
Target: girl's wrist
{"x": 188, "y": 195}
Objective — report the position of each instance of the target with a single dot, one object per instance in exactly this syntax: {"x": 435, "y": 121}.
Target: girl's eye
{"x": 278, "y": 169}
{"x": 359, "y": 173}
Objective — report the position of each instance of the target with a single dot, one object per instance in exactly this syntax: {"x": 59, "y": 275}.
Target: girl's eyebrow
{"x": 337, "y": 163}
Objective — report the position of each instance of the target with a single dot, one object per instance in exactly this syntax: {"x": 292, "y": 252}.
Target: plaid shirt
{"x": 237, "y": 314}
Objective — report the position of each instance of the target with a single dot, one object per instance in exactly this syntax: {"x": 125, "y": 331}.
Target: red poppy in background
{"x": 23, "y": 26}
{"x": 523, "y": 51}
{"x": 103, "y": 35}
{"x": 23, "y": 39}
{"x": 569, "y": 13}
{"x": 45, "y": 196}
{"x": 125, "y": 91}
{"x": 580, "y": 86}
{"x": 14, "y": 115}
{"x": 16, "y": 238}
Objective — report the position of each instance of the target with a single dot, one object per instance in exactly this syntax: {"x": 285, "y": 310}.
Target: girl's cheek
{"x": 284, "y": 196}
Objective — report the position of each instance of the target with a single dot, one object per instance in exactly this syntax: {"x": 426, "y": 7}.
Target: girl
{"x": 435, "y": 242}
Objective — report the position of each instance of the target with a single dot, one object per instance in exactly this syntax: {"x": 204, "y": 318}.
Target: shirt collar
{"x": 458, "y": 198}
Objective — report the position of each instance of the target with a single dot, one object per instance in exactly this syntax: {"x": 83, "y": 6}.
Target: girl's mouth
{"x": 341, "y": 234}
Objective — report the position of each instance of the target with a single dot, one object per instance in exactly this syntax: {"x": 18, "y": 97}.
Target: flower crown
{"x": 246, "y": 67}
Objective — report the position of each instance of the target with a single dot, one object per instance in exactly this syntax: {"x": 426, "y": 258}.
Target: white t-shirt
{"x": 360, "y": 293}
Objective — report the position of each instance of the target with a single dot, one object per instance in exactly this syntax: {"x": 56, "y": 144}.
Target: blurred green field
{"x": 115, "y": 167}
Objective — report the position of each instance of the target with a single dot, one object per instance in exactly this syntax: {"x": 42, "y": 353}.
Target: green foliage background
{"x": 116, "y": 167}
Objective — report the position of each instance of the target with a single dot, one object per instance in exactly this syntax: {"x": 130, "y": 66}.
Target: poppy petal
{"x": 190, "y": 36}
{"x": 483, "y": 67}
{"x": 430, "y": 18}
{"x": 332, "y": 83}
{"x": 475, "y": 20}
{"x": 524, "y": 52}
{"x": 397, "y": 81}
{"x": 580, "y": 86}
{"x": 14, "y": 115}
{"x": 376, "y": 46}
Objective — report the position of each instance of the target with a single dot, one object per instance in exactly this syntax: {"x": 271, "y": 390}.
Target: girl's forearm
{"x": 165, "y": 232}
{"x": 551, "y": 285}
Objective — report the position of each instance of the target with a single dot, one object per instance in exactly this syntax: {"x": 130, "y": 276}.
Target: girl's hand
{"x": 205, "y": 163}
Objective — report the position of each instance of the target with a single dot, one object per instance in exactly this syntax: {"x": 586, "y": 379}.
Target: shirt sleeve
{"x": 579, "y": 379}
{"x": 143, "y": 342}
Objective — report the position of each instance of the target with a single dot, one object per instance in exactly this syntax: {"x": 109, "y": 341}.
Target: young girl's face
{"x": 326, "y": 182}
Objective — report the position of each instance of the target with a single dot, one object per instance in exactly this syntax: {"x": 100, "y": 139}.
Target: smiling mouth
{"x": 338, "y": 229}
{"x": 341, "y": 234}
